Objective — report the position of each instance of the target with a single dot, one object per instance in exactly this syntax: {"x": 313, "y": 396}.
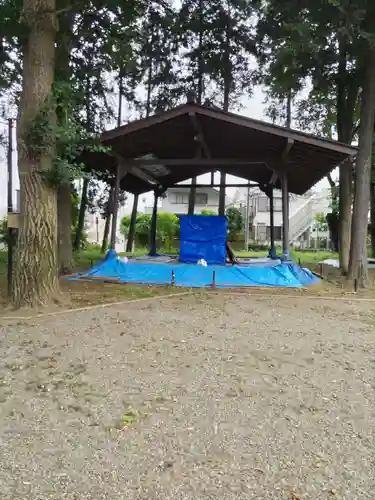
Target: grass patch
{"x": 85, "y": 294}
{"x": 297, "y": 256}
{"x": 131, "y": 417}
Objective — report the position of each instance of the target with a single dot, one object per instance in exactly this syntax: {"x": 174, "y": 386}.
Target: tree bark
{"x": 120, "y": 95}
{"x": 372, "y": 219}
{"x": 358, "y": 267}
{"x": 81, "y": 215}
{"x": 35, "y": 280}
{"x": 227, "y": 81}
{"x": 345, "y": 213}
{"x": 133, "y": 221}
{"x": 199, "y": 97}
{"x": 64, "y": 44}
{"x": 347, "y": 95}
{"x": 64, "y": 216}
{"x": 107, "y": 225}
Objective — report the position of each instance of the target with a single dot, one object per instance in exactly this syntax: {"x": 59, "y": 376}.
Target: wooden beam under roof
{"x": 214, "y": 185}
{"x": 126, "y": 167}
{"x": 196, "y": 162}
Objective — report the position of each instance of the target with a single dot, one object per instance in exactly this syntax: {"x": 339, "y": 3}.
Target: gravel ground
{"x": 191, "y": 398}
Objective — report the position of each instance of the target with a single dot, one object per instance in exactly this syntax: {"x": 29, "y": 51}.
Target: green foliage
{"x": 68, "y": 135}
{"x": 314, "y": 47}
{"x": 321, "y": 222}
{"x": 12, "y": 37}
{"x": 4, "y": 232}
{"x": 167, "y": 228}
{"x": 124, "y": 225}
{"x": 235, "y": 222}
{"x": 217, "y": 41}
{"x": 142, "y": 229}
{"x": 75, "y": 217}
{"x": 39, "y": 137}
{"x": 206, "y": 211}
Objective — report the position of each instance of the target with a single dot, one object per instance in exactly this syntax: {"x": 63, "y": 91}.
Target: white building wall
{"x": 4, "y": 172}
{"x": 95, "y": 231}
{"x": 259, "y": 209}
{"x": 177, "y": 201}
{"x": 263, "y": 217}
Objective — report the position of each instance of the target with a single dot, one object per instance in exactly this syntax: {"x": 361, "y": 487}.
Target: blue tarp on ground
{"x": 195, "y": 276}
{"x": 203, "y": 237}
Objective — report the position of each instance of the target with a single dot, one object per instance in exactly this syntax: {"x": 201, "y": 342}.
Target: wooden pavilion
{"x": 157, "y": 152}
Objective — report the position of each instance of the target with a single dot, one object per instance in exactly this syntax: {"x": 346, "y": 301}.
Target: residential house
{"x": 176, "y": 200}
{"x": 302, "y": 215}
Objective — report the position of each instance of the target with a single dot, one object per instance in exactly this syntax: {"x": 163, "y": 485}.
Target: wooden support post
{"x": 222, "y": 194}
{"x": 115, "y": 202}
{"x": 285, "y": 203}
{"x": 192, "y": 196}
{"x": 107, "y": 224}
{"x": 152, "y": 252}
{"x": 272, "y": 253}
{"x": 133, "y": 221}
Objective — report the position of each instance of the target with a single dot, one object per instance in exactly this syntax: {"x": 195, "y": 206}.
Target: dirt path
{"x": 191, "y": 398}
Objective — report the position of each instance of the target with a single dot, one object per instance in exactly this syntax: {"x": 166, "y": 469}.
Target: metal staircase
{"x": 303, "y": 218}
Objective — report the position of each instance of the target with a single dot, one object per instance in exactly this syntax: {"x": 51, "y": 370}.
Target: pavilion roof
{"x": 191, "y": 140}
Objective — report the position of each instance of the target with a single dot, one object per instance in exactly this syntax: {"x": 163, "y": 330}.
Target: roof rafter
{"x": 200, "y": 135}
{"x": 125, "y": 167}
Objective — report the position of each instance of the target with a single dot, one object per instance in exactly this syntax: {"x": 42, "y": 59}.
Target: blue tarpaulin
{"x": 203, "y": 237}
{"x": 271, "y": 274}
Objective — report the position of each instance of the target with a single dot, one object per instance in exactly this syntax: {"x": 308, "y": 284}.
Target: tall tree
{"x": 64, "y": 45}
{"x": 372, "y": 202}
{"x": 358, "y": 255}
{"x": 312, "y": 44}
{"x": 35, "y": 279}
{"x": 157, "y": 58}
{"x": 231, "y": 46}
{"x": 193, "y": 37}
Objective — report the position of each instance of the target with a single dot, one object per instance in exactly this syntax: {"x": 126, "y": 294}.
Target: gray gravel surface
{"x": 191, "y": 398}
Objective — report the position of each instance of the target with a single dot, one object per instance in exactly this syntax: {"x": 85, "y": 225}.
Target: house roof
{"x": 240, "y": 146}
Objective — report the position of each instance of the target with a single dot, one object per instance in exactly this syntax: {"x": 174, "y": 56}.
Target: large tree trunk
{"x": 81, "y": 215}
{"x": 358, "y": 254}
{"x": 35, "y": 280}
{"x": 228, "y": 81}
{"x": 372, "y": 218}
{"x": 133, "y": 221}
{"x": 345, "y": 213}
{"x": 107, "y": 225}
{"x": 64, "y": 214}
{"x": 347, "y": 94}
{"x": 64, "y": 202}
{"x": 199, "y": 97}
